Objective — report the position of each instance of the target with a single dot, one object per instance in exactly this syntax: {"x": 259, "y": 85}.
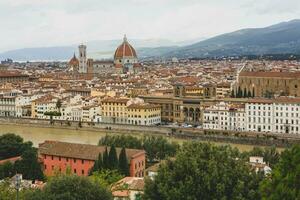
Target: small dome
{"x": 125, "y": 50}
{"x": 74, "y": 61}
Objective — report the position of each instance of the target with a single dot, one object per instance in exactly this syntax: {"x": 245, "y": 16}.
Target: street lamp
{"x": 18, "y": 184}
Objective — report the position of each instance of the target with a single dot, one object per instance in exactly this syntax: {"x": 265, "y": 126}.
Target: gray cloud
{"x": 26, "y": 23}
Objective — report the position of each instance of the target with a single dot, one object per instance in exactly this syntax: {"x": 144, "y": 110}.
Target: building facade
{"x": 80, "y": 158}
{"x": 269, "y": 84}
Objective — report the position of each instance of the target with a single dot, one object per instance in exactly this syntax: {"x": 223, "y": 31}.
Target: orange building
{"x": 80, "y": 158}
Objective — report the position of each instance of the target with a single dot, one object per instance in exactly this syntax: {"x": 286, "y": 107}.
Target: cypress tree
{"x": 249, "y": 94}
{"x": 240, "y": 92}
{"x": 113, "y": 158}
{"x": 105, "y": 159}
{"x": 123, "y": 163}
{"x": 100, "y": 161}
{"x": 232, "y": 94}
{"x": 98, "y": 165}
{"x": 245, "y": 93}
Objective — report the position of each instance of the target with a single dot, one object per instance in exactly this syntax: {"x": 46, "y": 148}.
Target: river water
{"x": 38, "y": 135}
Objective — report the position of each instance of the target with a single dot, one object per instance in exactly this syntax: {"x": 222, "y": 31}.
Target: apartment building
{"x": 225, "y": 116}
{"x": 280, "y": 115}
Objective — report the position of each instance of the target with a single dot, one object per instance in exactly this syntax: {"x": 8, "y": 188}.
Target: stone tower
{"x": 82, "y": 59}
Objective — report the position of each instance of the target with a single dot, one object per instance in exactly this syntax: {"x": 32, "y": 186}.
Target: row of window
{"x": 60, "y": 170}
{"x": 67, "y": 159}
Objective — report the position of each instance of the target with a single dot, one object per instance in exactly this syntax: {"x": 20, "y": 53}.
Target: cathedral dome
{"x": 74, "y": 61}
{"x": 125, "y": 50}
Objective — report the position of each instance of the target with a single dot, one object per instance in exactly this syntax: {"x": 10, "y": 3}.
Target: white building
{"x": 41, "y": 107}
{"x": 281, "y": 115}
{"x": 225, "y": 116}
{"x": 91, "y": 113}
{"x": 7, "y": 106}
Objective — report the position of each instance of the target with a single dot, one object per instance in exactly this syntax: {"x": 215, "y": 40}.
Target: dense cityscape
{"x": 212, "y": 123}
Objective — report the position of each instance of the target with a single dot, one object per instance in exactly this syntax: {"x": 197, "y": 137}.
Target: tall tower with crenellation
{"x": 82, "y": 59}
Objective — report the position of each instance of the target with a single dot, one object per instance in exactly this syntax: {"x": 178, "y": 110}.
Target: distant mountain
{"x": 282, "y": 38}
{"x": 97, "y": 49}
{"x": 277, "y": 39}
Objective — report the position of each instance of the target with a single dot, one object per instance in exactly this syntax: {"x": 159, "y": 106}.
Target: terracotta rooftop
{"x": 11, "y": 160}
{"x": 143, "y": 106}
{"x": 272, "y": 74}
{"x": 115, "y": 100}
{"x": 276, "y": 100}
{"x": 80, "y": 151}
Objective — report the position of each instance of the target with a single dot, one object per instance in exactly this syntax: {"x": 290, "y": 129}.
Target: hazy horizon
{"x": 36, "y": 23}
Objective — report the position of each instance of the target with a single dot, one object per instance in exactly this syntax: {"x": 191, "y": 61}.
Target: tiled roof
{"x": 12, "y": 160}
{"x": 272, "y": 74}
{"x": 80, "y": 151}
{"x": 125, "y": 50}
{"x": 276, "y": 100}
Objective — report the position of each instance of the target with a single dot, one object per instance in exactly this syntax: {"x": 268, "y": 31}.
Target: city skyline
{"x": 33, "y": 23}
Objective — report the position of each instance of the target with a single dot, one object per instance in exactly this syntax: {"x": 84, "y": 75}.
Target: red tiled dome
{"x": 74, "y": 61}
{"x": 125, "y": 50}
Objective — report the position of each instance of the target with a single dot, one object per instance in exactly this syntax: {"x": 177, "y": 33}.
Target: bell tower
{"x": 82, "y": 59}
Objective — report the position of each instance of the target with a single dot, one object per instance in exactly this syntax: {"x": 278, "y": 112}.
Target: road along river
{"x": 39, "y": 134}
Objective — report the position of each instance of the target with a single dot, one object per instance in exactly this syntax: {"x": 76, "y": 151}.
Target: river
{"x": 38, "y": 135}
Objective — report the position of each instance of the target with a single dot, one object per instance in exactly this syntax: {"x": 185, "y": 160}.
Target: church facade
{"x": 124, "y": 61}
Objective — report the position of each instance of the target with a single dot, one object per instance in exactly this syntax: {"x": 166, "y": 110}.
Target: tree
{"x": 270, "y": 154}
{"x": 58, "y": 104}
{"x": 12, "y": 145}
{"x": 284, "y": 182}
{"x": 158, "y": 148}
{"x": 6, "y": 170}
{"x": 239, "y": 93}
{"x": 232, "y": 94}
{"x": 126, "y": 141}
{"x": 204, "y": 171}
{"x": 105, "y": 159}
{"x": 113, "y": 158}
{"x": 7, "y": 193}
{"x": 245, "y": 94}
{"x": 123, "y": 163}
{"x": 249, "y": 94}
{"x": 106, "y": 177}
{"x": 98, "y": 165}
{"x": 71, "y": 188}
{"x": 29, "y": 165}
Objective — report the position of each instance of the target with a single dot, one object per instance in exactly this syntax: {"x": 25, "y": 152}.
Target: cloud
{"x": 28, "y": 23}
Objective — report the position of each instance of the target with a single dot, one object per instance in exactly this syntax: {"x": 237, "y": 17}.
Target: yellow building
{"x": 143, "y": 114}
{"x": 126, "y": 111}
{"x": 114, "y": 110}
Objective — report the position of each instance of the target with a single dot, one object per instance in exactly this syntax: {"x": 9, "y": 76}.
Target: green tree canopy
{"x": 106, "y": 177}
{"x": 123, "y": 163}
{"x": 270, "y": 154}
{"x": 284, "y": 182}
{"x": 156, "y": 147}
{"x": 7, "y": 170}
{"x": 126, "y": 141}
{"x": 105, "y": 159}
{"x": 204, "y": 171}
{"x": 113, "y": 158}
{"x": 71, "y": 188}
{"x": 98, "y": 165}
{"x": 29, "y": 165}
{"x": 12, "y": 145}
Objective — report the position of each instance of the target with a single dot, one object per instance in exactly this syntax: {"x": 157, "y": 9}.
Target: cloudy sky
{"x": 36, "y": 23}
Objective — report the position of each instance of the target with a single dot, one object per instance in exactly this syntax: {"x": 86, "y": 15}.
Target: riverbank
{"x": 174, "y": 134}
